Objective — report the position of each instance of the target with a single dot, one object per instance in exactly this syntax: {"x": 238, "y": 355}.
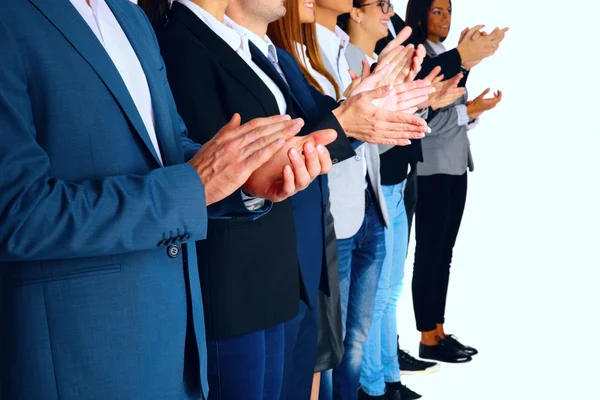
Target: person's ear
{"x": 355, "y": 15}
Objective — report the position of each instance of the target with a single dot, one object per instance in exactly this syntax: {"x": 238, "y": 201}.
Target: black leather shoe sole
{"x": 444, "y": 353}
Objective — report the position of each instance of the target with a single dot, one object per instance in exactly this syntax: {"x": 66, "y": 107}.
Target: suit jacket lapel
{"x": 170, "y": 147}
{"x": 297, "y": 87}
{"x": 226, "y": 57}
{"x": 72, "y": 26}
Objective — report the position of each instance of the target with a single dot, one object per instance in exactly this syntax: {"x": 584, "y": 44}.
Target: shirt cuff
{"x": 473, "y": 124}
{"x": 463, "y": 117}
{"x": 252, "y": 203}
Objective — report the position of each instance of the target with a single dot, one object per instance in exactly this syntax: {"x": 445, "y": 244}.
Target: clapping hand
{"x": 446, "y": 92}
{"x": 293, "y": 167}
{"x": 480, "y": 104}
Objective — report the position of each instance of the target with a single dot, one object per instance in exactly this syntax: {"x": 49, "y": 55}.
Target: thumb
{"x": 323, "y": 137}
{"x": 486, "y": 91}
{"x": 234, "y": 122}
{"x": 474, "y": 29}
{"x": 352, "y": 74}
{"x": 404, "y": 34}
{"x": 366, "y": 70}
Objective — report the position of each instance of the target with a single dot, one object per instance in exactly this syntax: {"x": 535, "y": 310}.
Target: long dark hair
{"x": 417, "y": 12}
{"x": 156, "y": 10}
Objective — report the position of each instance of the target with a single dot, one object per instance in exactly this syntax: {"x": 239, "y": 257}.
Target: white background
{"x": 524, "y": 284}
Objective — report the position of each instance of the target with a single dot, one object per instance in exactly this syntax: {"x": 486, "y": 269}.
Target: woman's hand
{"x": 480, "y": 104}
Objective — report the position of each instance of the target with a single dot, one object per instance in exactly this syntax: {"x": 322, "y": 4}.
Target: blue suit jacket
{"x": 310, "y": 222}
{"x": 93, "y": 306}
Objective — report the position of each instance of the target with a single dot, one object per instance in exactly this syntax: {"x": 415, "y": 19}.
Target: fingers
{"x": 323, "y": 137}
{"x": 409, "y": 122}
{"x": 288, "y": 188}
{"x": 324, "y": 159}
{"x": 263, "y": 137}
{"x": 377, "y": 93}
{"x": 404, "y": 34}
{"x": 486, "y": 91}
{"x": 366, "y": 71}
{"x": 400, "y": 38}
{"x": 437, "y": 79}
{"x": 434, "y": 74}
{"x": 311, "y": 159}
{"x": 352, "y": 74}
{"x": 404, "y": 105}
{"x": 302, "y": 176}
{"x": 471, "y": 32}
{"x": 257, "y": 124}
{"x": 388, "y": 57}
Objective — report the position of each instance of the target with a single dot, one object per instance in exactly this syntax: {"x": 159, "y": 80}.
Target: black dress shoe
{"x": 364, "y": 396}
{"x": 453, "y": 341}
{"x": 400, "y": 391}
{"x": 413, "y": 366}
{"x": 443, "y": 352}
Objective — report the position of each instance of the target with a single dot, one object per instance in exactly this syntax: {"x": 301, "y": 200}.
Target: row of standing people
{"x": 211, "y": 45}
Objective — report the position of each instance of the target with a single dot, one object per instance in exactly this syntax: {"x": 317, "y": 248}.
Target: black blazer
{"x": 449, "y": 61}
{"x": 249, "y": 270}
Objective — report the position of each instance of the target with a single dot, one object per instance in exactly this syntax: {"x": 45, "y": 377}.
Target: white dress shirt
{"x": 105, "y": 26}
{"x": 237, "y": 38}
{"x": 333, "y": 47}
{"x": 461, "y": 109}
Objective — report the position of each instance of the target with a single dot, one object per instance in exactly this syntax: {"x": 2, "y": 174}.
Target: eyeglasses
{"x": 385, "y": 6}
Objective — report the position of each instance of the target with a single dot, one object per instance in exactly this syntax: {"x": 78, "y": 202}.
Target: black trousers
{"x": 410, "y": 197}
{"x": 438, "y": 216}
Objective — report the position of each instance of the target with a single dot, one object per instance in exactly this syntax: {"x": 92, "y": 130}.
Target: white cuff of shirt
{"x": 252, "y": 203}
{"x": 472, "y": 125}
{"x": 463, "y": 117}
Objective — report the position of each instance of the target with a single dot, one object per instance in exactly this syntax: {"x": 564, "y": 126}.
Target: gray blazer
{"x": 347, "y": 184}
{"x": 446, "y": 150}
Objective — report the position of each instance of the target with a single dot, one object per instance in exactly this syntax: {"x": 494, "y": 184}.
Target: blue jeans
{"x": 360, "y": 262}
{"x": 380, "y": 359}
{"x": 248, "y": 367}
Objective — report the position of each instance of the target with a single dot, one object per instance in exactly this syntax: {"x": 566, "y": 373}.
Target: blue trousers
{"x": 360, "y": 262}
{"x": 248, "y": 367}
{"x": 380, "y": 358}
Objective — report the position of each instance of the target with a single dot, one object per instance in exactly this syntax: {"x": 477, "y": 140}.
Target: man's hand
{"x": 289, "y": 171}
{"x": 364, "y": 121}
{"x": 226, "y": 161}
{"x": 480, "y": 104}
{"x": 474, "y": 45}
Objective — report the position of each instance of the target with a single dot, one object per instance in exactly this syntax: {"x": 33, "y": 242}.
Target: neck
{"x": 248, "y": 20}
{"x": 362, "y": 40}
{"x": 326, "y": 17}
{"x": 433, "y": 38}
{"x": 216, "y": 8}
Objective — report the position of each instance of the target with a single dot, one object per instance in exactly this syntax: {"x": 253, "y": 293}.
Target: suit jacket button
{"x": 173, "y": 251}
{"x": 334, "y": 161}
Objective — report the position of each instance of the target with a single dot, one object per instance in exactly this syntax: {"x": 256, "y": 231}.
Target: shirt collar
{"x": 233, "y": 38}
{"x": 439, "y": 48}
{"x": 333, "y": 40}
{"x": 264, "y": 44}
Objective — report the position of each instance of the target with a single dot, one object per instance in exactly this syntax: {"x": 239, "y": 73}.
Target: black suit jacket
{"x": 449, "y": 61}
{"x": 249, "y": 270}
